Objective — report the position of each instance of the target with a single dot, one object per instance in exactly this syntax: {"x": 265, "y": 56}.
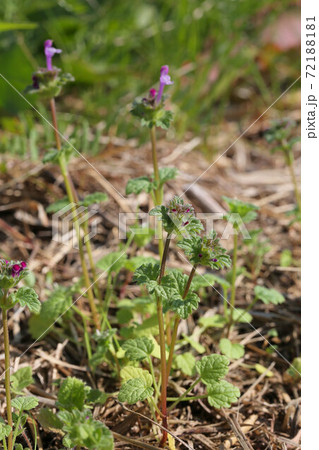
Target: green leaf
{"x": 49, "y": 421}
{"x": 148, "y": 274}
{"x": 216, "y": 321}
{"x": 135, "y": 390}
{"x": 212, "y": 368}
{"x": 58, "y": 205}
{"x": 28, "y": 297}
{"x": 71, "y": 394}
{"x": 96, "y": 197}
{"x": 241, "y": 316}
{"x": 129, "y": 373}
{"x": 176, "y": 281}
{"x": 83, "y": 431}
{"x": 4, "y": 431}
{"x": 231, "y": 350}
{"x": 186, "y": 363}
{"x": 21, "y": 379}
{"x": 268, "y": 296}
{"x": 124, "y": 315}
{"x": 246, "y": 211}
{"x": 25, "y": 403}
{"x": 112, "y": 262}
{"x": 221, "y": 394}
{"x": 138, "y": 349}
{"x": 138, "y": 185}
{"x": 183, "y": 307}
{"x": 94, "y": 396}
{"x": 166, "y": 174}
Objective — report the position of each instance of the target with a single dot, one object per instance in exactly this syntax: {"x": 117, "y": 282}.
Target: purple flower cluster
{"x": 180, "y": 211}
{"x": 17, "y": 268}
{"x": 12, "y": 268}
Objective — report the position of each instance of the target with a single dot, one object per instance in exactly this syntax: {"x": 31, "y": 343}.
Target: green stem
{"x": 185, "y": 399}
{"x": 184, "y": 396}
{"x": 153, "y": 375}
{"x": 72, "y": 199}
{"x": 16, "y": 431}
{"x": 152, "y": 402}
{"x": 158, "y": 191}
{"x": 233, "y": 280}
{"x": 4, "y": 444}
{"x": 177, "y": 321}
{"x": 225, "y": 302}
{"x": 161, "y": 327}
{"x": 7, "y": 372}
{"x": 85, "y": 331}
{"x": 87, "y": 281}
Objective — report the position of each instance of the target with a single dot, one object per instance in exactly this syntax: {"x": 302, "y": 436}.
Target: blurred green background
{"x": 228, "y": 58}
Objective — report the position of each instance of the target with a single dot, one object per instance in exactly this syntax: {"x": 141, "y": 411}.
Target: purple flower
{"x": 214, "y": 260}
{"x": 200, "y": 255}
{"x": 153, "y": 93}
{"x": 23, "y": 265}
{"x": 49, "y": 52}
{"x": 16, "y": 270}
{"x": 165, "y": 80}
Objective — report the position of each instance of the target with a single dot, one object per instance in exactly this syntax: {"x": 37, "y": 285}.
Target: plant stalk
{"x": 7, "y": 372}
{"x": 72, "y": 196}
{"x": 233, "y": 280}
{"x": 177, "y": 321}
{"x": 158, "y": 191}
{"x": 161, "y": 327}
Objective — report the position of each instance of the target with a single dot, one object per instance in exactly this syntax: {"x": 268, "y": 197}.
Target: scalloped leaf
{"x": 130, "y": 372}
{"x": 25, "y": 403}
{"x": 134, "y": 390}
{"x": 58, "y": 205}
{"x": 96, "y": 197}
{"x": 28, "y": 297}
{"x": 21, "y": 379}
{"x": 138, "y": 349}
{"x": 222, "y": 394}
{"x": 268, "y": 296}
{"x": 183, "y": 307}
{"x": 230, "y": 349}
{"x": 71, "y": 394}
{"x": 138, "y": 185}
{"x": 212, "y": 368}
{"x": 5, "y": 430}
